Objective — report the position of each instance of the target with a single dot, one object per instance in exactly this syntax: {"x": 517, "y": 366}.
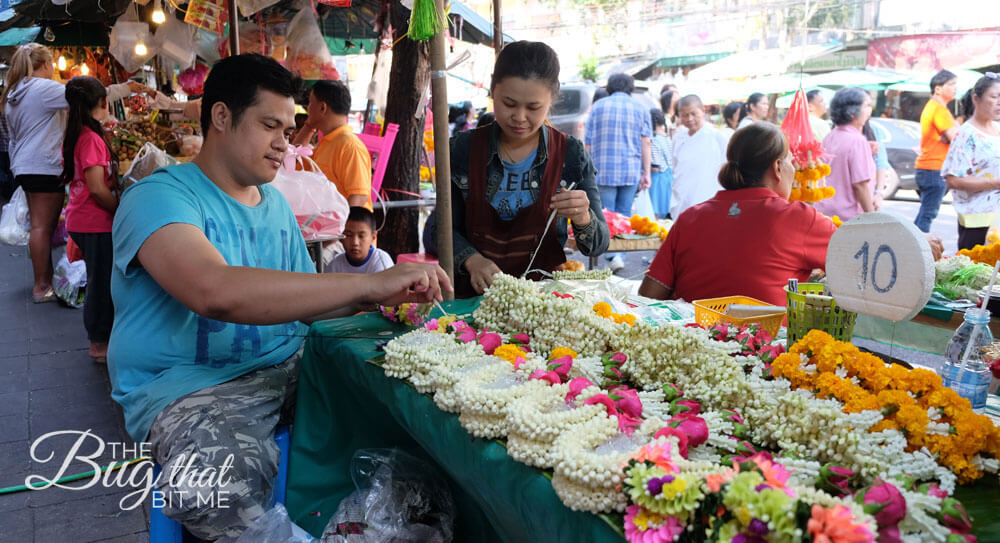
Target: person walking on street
{"x": 817, "y": 108}
{"x": 619, "y": 138}
{"x": 937, "y": 129}
{"x": 754, "y": 109}
{"x": 699, "y": 152}
{"x": 972, "y": 167}
{"x": 852, "y": 168}
{"x": 663, "y": 174}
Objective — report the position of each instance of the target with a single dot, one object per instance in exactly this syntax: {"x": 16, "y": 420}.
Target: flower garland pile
{"x": 647, "y": 227}
{"x": 912, "y": 401}
{"x": 596, "y": 274}
{"x": 809, "y": 185}
{"x": 410, "y": 314}
{"x": 987, "y": 254}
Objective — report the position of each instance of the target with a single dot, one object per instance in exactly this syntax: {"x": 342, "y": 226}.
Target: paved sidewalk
{"x": 49, "y": 384}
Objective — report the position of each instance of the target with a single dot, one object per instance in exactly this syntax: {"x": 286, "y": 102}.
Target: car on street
{"x": 902, "y": 145}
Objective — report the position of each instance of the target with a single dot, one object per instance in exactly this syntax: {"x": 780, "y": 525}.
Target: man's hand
{"x": 139, "y": 88}
{"x": 409, "y": 282}
{"x": 937, "y": 246}
{"x": 645, "y": 181}
{"x": 572, "y": 204}
{"x": 877, "y": 201}
{"x": 481, "y": 271}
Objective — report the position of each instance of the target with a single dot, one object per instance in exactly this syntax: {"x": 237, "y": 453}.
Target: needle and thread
{"x": 552, "y": 217}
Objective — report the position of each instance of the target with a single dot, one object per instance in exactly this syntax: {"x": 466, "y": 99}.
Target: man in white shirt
{"x": 699, "y": 153}
{"x": 817, "y": 108}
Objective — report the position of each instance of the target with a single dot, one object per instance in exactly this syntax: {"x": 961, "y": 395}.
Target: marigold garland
{"x": 647, "y": 227}
{"x": 988, "y": 254}
{"x": 913, "y": 401}
{"x": 605, "y": 310}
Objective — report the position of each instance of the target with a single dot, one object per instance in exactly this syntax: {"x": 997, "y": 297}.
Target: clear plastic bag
{"x": 149, "y": 159}
{"x": 15, "y": 222}
{"x": 69, "y": 281}
{"x": 175, "y": 42}
{"x": 400, "y": 499}
{"x": 308, "y": 54}
{"x": 125, "y": 34}
{"x": 320, "y": 209}
{"x": 275, "y": 527}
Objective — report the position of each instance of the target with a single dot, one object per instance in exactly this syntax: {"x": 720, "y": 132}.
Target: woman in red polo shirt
{"x": 747, "y": 240}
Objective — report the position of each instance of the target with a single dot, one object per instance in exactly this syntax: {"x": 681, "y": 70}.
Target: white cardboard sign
{"x": 880, "y": 265}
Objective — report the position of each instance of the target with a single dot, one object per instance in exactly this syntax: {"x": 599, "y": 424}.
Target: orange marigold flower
{"x": 603, "y": 309}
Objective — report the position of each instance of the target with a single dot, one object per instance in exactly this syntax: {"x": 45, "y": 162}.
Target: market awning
{"x": 18, "y": 36}
{"x": 934, "y": 52}
{"x": 466, "y": 24}
{"x": 853, "y": 77}
{"x": 760, "y": 63}
{"x": 682, "y": 60}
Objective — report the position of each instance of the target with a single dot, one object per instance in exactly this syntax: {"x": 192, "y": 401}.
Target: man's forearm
{"x": 863, "y": 193}
{"x": 647, "y": 155}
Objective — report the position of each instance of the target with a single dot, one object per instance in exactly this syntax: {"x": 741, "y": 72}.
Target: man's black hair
{"x": 334, "y": 94}
{"x": 941, "y": 78}
{"x": 621, "y": 83}
{"x": 235, "y": 81}
{"x": 812, "y": 94}
{"x": 361, "y": 214}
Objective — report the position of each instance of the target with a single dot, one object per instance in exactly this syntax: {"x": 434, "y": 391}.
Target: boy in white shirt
{"x": 359, "y": 255}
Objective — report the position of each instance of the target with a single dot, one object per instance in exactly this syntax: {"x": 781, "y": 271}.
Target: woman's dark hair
{"x": 979, "y": 89}
{"x": 846, "y": 105}
{"x": 867, "y": 130}
{"x": 752, "y": 100}
{"x": 83, "y": 94}
{"x": 485, "y": 119}
{"x": 656, "y": 116}
{"x": 528, "y": 60}
{"x": 620, "y": 83}
{"x": 729, "y": 110}
{"x": 752, "y": 150}
{"x": 668, "y": 99}
{"x": 236, "y": 82}
{"x": 941, "y": 78}
{"x": 966, "y": 104}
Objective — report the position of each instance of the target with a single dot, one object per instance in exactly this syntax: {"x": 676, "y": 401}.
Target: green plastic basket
{"x": 810, "y": 309}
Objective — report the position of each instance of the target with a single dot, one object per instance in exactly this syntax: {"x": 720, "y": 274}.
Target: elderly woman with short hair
{"x": 852, "y": 168}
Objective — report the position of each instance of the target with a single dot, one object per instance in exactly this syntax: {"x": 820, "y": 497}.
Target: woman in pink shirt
{"x": 852, "y": 168}
{"x": 92, "y": 175}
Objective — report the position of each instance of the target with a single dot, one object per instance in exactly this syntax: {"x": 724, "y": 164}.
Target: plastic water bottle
{"x": 964, "y": 369}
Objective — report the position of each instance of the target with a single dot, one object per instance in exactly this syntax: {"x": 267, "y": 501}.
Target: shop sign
{"x": 841, "y": 60}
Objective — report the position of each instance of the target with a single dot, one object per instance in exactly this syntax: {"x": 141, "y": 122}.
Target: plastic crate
{"x": 811, "y": 309}
{"x": 708, "y": 312}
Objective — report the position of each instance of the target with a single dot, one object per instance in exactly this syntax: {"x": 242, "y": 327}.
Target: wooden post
{"x": 442, "y": 154}
{"x": 234, "y": 28}
{"x": 497, "y": 29}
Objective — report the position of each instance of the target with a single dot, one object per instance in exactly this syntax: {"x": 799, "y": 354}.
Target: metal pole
{"x": 497, "y": 28}
{"x": 234, "y": 28}
{"x": 442, "y": 154}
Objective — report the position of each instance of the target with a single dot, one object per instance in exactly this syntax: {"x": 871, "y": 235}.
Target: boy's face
{"x": 358, "y": 237}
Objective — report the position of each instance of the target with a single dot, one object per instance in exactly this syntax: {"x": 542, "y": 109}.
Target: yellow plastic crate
{"x": 709, "y": 311}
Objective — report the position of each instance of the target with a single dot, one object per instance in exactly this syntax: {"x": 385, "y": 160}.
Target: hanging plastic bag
{"x": 149, "y": 159}
{"x": 174, "y": 41}
{"x": 275, "y": 525}
{"x": 400, "y": 499}
{"x": 320, "y": 209}
{"x": 125, "y": 35}
{"x": 69, "y": 281}
{"x": 249, "y": 7}
{"x": 15, "y": 222}
{"x": 308, "y": 54}
{"x": 643, "y": 205}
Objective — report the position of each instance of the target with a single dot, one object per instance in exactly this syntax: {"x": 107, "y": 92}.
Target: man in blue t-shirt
{"x": 211, "y": 284}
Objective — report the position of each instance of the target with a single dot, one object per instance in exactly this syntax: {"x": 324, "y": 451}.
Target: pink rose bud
{"x": 954, "y": 516}
{"x": 523, "y": 339}
{"x": 605, "y": 400}
{"x": 490, "y": 341}
{"x": 932, "y": 489}
{"x": 672, "y": 392}
{"x": 619, "y": 358}
{"x": 518, "y": 362}
{"x": 542, "y": 375}
{"x": 627, "y": 424}
{"x": 562, "y": 365}
{"x": 883, "y": 501}
{"x": 682, "y": 438}
{"x": 956, "y": 537}
{"x": 629, "y": 402}
{"x": 889, "y": 534}
{"x": 834, "y": 479}
{"x": 576, "y": 386}
{"x": 694, "y": 426}
{"x": 431, "y": 325}
{"x": 689, "y": 407}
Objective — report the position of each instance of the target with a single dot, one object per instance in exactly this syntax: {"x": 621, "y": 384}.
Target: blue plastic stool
{"x": 166, "y": 530}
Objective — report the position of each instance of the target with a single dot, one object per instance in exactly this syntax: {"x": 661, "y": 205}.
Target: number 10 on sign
{"x": 879, "y": 265}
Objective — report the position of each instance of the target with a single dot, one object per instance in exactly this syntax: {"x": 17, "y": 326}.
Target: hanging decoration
{"x": 425, "y": 20}
{"x": 807, "y": 154}
{"x": 208, "y": 14}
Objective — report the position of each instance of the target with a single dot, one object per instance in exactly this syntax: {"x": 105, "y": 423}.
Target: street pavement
{"x": 48, "y": 383}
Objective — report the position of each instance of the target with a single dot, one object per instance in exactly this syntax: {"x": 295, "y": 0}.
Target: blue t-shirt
{"x": 514, "y": 193}
{"x": 159, "y": 349}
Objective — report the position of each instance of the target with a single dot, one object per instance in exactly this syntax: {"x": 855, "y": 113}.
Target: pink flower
{"x": 672, "y": 392}
{"x": 431, "y": 325}
{"x": 518, "y": 362}
{"x": 542, "y": 375}
{"x": 884, "y": 502}
{"x": 932, "y": 489}
{"x": 562, "y": 366}
{"x": 627, "y": 423}
{"x": 693, "y": 426}
{"x": 768, "y": 353}
{"x": 953, "y": 515}
{"x": 466, "y": 333}
{"x": 682, "y": 438}
{"x": 629, "y": 401}
{"x": 523, "y": 339}
{"x": 638, "y": 529}
{"x": 889, "y": 534}
{"x": 602, "y": 399}
{"x": 619, "y": 357}
{"x": 686, "y": 407}
{"x": 835, "y": 479}
{"x": 489, "y": 341}
{"x": 576, "y": 386}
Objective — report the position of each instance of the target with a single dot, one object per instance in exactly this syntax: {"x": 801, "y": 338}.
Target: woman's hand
{"x": 572, "y": 204}
{"x": 139, "y": 88}
{"x": 481, "y": 271}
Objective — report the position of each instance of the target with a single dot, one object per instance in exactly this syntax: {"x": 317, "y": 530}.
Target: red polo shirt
{"x": 746, "y": 242}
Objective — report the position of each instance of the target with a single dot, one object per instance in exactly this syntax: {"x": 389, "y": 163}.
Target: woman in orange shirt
{"x": 937, "y": 129}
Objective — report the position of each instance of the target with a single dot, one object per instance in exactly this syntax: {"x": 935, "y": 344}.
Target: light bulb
{"x": 84, "y": 69}
{"x": 140, "y": 49}
{"x": 158, "y": 16}
{"x": 61, "y": 63}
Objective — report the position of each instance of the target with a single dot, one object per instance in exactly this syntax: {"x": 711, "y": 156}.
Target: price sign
{"x": 880, "y": 265}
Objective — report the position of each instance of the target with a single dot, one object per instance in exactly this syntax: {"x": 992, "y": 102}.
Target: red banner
{"x": 933, "y": 52}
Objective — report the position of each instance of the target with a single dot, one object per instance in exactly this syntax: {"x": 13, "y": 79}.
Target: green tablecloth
{"x": 346, "y": 403}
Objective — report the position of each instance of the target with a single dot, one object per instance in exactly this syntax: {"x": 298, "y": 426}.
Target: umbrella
{"x": 921, "y": 83}
{"x": 854, "y": 77}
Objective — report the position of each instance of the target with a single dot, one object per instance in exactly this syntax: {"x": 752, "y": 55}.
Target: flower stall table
{"x": 620, "y": 245}
{"x": 345, "y": 403}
